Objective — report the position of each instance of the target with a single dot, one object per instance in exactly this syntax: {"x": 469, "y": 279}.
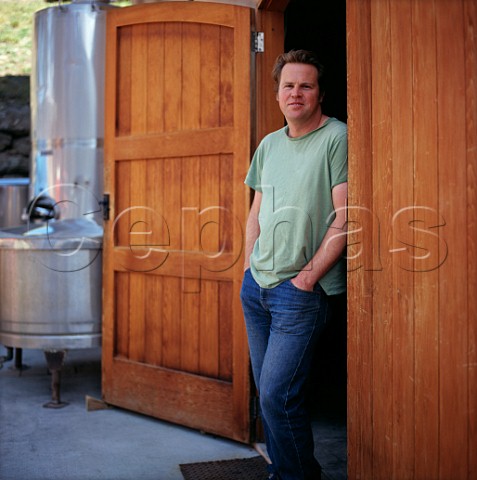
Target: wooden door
{"x": 412, "y": 305}
{"x": 177, "y": 149}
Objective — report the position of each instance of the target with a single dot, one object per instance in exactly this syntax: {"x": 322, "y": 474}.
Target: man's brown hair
{"x": 298, "y": 56}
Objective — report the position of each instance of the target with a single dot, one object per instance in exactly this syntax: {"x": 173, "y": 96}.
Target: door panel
{"x": 177, "y": 151}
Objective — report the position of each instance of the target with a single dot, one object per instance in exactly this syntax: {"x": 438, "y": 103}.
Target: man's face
{"x": 298, "y": 94}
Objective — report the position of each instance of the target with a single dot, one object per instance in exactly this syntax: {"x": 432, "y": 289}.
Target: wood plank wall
{"x": 412, "y": 348}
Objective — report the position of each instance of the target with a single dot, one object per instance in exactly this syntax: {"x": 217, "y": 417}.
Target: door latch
{"x": 105, "y": 206}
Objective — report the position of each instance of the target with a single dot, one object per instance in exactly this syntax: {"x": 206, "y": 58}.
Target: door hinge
{"x": 258, "y": 42}
{"x": 105, "y": 206}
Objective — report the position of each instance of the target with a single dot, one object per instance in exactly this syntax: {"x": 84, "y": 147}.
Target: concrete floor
{"x": 72, "y": 443}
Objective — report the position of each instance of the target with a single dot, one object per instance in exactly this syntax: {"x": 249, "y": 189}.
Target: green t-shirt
{"x": 295, "y": 177}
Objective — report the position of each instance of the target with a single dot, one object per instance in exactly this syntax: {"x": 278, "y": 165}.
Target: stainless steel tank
{"x": 67, "y": 112}
{"x": 50, "y": 285}
{"x": 50, "y": 268}
{"x": 13, "y": 200}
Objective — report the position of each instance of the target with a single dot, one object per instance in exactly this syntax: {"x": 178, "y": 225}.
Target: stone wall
{"x": 15, "y": 143}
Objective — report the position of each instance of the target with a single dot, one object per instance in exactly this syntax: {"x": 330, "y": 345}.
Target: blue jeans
{"x": 283, "y": 326}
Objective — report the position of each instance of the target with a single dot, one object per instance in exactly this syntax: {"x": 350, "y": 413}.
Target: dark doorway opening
{"x": 320, "y": 26}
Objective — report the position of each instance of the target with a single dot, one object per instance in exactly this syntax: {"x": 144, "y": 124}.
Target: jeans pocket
{"x": 316, "y": 289}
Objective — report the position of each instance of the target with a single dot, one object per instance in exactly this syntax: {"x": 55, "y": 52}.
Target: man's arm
{"x": 332, "y": 245}
{"x": 253, "y": 228}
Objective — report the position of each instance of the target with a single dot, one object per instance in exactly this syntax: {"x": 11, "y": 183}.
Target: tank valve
{"x": 41, "y": 208}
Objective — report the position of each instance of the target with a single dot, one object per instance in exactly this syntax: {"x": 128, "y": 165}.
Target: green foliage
{"x": 16, "y": 31}
{"x": 16, "y": 20}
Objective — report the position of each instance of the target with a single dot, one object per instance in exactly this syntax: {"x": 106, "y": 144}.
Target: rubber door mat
{"x": 253, "y": 468}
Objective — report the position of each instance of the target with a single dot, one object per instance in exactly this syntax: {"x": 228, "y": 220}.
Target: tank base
{"x": 50, "y": 342}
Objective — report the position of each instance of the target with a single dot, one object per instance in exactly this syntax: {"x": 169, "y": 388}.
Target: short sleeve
{"x": 254, "y": 175}
{"x": 339, "y": 159}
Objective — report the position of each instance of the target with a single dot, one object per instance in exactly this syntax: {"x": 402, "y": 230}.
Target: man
{"x": 294, "y": 257}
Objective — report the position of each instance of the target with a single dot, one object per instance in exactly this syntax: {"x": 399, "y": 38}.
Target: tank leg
{"x": 19, "y": 361}
{"x": 7, "y": 357}
{"x": 18, "y": 358}
{"x": 54, "y": 360}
